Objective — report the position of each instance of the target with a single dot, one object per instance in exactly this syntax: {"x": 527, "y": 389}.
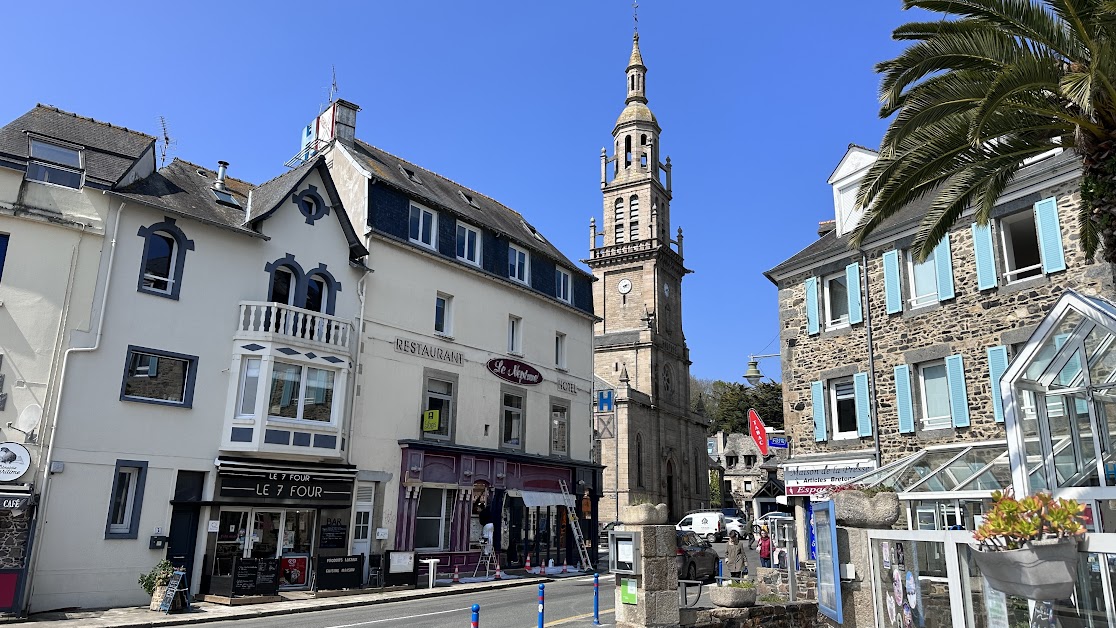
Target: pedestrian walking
{"x": 765, "y": 549}
{"x": 735, "y": 560}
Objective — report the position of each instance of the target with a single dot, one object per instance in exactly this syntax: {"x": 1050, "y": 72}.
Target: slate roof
{"x": 441, "y": 193}
{"x": 184, "y": 188}
{"x": 109, "y": 150}
{"x": 831, "y": 245}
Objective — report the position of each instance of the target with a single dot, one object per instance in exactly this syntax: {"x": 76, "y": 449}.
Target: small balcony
{"x": 275, "y": 322}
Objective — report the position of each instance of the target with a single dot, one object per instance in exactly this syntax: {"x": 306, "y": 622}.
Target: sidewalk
{"x": 205, "y": 612}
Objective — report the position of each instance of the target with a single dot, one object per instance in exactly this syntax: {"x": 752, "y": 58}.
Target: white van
{"x": 708, "y": 524}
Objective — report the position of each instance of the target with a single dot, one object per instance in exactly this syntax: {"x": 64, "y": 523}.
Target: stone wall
{"x": 13, "y": 539}
{"x": 777, "y": 582}
{"x": 793, "y": 615}
{"x": 968, "y": 325}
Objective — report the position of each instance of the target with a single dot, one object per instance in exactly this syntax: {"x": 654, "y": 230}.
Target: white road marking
{"x": 379, "y": 621}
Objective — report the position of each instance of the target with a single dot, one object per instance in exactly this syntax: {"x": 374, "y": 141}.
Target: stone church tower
{"x": 653, "y": 448}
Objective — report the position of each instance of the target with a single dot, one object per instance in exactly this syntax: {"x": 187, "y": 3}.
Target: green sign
{"x": 628, "y": 591}
{"x": 430, "y": 421}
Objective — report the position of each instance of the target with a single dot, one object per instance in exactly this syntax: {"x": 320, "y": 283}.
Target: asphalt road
{"x": 569, "y": 602}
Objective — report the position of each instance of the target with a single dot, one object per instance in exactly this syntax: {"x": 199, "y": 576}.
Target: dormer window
{"x": 410, "y": 174}
{"x": 562, "y": 285}
{"x": 55, "y": 164}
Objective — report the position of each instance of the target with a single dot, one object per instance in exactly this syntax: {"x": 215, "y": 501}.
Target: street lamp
{"x": 753, "y": 374}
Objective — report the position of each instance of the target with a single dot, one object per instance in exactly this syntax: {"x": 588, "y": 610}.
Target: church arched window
{"x": 627, "y": 150}
{"x": 639, "y": 460}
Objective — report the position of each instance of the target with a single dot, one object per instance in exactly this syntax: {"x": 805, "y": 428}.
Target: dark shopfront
{"x": 450, "y": 492}
{"x": 273, "y": 509}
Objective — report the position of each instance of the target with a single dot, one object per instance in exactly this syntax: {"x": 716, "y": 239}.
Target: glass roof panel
{"x": 921, "y": 468}
{"x": 995, "y": 478}
{"x": 1041, "y": 361}
{"x": 1070, "y": 375}
{"x": 873, "y": 477}
{"x": 1102, "y": 359}
{"x": 961, "y": 470}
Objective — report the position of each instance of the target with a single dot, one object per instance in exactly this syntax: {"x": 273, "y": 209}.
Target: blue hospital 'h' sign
{"x": 604, "y": 401}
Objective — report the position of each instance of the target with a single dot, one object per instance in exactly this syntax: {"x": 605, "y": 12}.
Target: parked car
{"x": 605, "y": 529}
{"x": 696, "y": 558}
{"x": 766, "y": 520}
{"x": 738, "y": 525}
{"x": 708, "y": 524}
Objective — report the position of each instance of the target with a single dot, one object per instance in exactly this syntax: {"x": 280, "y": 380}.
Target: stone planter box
{"x": 1042, "y": 570}
{"x": 644, "y": 514}
{"x": 856, "y": 509}
{"x": 732, "y": 597}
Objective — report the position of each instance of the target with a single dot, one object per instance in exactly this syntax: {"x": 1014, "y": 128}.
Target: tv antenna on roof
{"x": 167, "y": 141}
{"x": 332, "y": 89}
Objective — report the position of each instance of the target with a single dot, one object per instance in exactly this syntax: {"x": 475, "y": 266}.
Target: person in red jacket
{"x": 765, "y": 549}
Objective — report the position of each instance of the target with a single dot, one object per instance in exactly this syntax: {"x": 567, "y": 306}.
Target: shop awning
{"x": 227, "y": 465}
{"x": 537, "y": 499}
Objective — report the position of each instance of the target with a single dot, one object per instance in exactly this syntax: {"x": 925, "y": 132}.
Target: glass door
{"x": 264, "y": 542}
{"x": 232, "y": 534}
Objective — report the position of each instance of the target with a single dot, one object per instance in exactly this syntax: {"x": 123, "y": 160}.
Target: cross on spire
{"x": 635, "y": 14}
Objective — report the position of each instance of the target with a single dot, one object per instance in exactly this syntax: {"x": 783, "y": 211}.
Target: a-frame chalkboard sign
{"x": 176, "y": 586}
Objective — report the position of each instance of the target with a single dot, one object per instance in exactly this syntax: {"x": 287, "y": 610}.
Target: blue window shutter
{"x": 943, "y": 265}
{"x": 3, "y": 252}
{"x": 812, "y": 326}
{"x": 892, "y": 289}
{"x": 997, "y": 364}
{"x": 958, "y": 398}
{"x": 817, "y": 394}
{"x": 985, "y": 256}
{"x": 903, "y": 401}
{"x": 852, "y": 281}
{"x": 863, "y": 408}
{"x": 1049, "y": 235}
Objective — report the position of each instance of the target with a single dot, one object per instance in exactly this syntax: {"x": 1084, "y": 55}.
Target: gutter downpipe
{"x": 45, "y": 493}
{"x": 871, "y": 359}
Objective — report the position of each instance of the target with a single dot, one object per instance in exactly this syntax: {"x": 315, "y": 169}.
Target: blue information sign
{"x": 777, "y": 441}
{"x": 604, "y": 401}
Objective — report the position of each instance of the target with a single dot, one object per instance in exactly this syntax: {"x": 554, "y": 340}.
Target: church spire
{"x": 637, "y": 74}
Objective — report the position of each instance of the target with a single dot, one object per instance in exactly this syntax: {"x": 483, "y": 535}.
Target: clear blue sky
{"x": 757, "y": 101}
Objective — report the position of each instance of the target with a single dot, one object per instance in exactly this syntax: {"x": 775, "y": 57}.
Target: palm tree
{"x": 978, "y": 93}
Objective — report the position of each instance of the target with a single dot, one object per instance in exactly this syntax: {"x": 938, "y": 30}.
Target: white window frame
{"x": 560, "y": 351}
{"x": 447, "y": 315}
{"x": 521, "y": 411}
{"x": 515, "y": 335}
{"x": 827, "y": 301}
{"x": 447, "y": 417}
{"x": 244, "y": 387}
{"x": 304, "y": 370}
{"x": 463, "y": 233}
{"x": 442, "y": 524}
{"x": 929, "y": 422}
{"x": 562, "y": 285}
{"x": 133, "y": 474}
{"x": 748, "y": 486}
{"x": 921, "y": 300}
{"x": 519, "y": 270}
{"x": 423, "y": 212}
{"x": 838, "y": 434}
{"x": 149, "y": 278}
{"x": 1011, "y": 273}
{"x": 554, "y": 421}
{"x": 55, "y": 165}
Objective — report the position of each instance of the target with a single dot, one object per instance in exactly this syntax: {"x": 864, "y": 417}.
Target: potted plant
{"x": 155, "y": 582}
{"x": 858, "y": 506}
{"x": 1028, "y": 547}
{"x": 736, "y": 595}
{"x": 639, "y": 513}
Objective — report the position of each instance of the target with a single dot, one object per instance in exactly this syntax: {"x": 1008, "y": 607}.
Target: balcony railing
{"x": 261, "y": 319}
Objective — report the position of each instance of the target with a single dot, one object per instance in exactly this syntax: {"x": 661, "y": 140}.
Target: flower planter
{"x": 857, "y": 509}
{"x": 644, "y": 514}
{"x": 1042, "y": 570}
{"x": 732, "y": 597}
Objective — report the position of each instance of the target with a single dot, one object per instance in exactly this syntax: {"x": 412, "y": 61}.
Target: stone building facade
{"x": 654, "y": 442}
{"x": 750, "y": 481}
{"x": 883, "y": 357}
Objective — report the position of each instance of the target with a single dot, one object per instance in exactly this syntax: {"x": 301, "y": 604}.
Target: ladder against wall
{"x": 575, "y": 525}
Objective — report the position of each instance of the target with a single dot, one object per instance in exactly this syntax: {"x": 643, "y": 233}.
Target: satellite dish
{"x": 30, "y": 417}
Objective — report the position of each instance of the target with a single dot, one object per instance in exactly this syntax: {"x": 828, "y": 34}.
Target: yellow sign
{"x": 430, "y": 421}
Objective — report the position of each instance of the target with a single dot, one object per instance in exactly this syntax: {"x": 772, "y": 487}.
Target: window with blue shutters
{"x": 842, "y": 400}
{"x": 997, "y": 365}
{"x": 934, "y": 399}
{"x": 958, "y": 398}
{"x": 852, "y": 282}
{"x": 893, "y": 290}
{"x": 931, "y": 281}
{"x": 1049, "y": 236}
{"x": 903, "y": 399}
{"x": 1020, "y": 244}
{"x": 985, "y": 253}
{"x": 817, "y": 405}
{"x": 813, "y": 325}
{"x": 836, "y": 301}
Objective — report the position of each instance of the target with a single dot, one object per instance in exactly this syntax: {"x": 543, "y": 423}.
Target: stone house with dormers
{"x": 750, "y": 481}
{"x": 889, "y": 362}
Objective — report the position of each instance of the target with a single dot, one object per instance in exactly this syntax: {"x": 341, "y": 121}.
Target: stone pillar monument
{"x": 656, "y": 587}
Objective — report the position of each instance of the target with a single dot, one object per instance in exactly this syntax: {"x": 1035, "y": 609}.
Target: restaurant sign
{"x": 430, "y": 352}
{"x": 514, "y": 371}
{"x": 280, "y": 485}
{"x": 809, "y": 480}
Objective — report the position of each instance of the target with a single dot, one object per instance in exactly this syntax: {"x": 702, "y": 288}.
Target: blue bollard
{"x": 720, "y": 571}
{"x": 476, "y": 616}
{"x": 542, "y": 588}
{"x": 596, "y": 600}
